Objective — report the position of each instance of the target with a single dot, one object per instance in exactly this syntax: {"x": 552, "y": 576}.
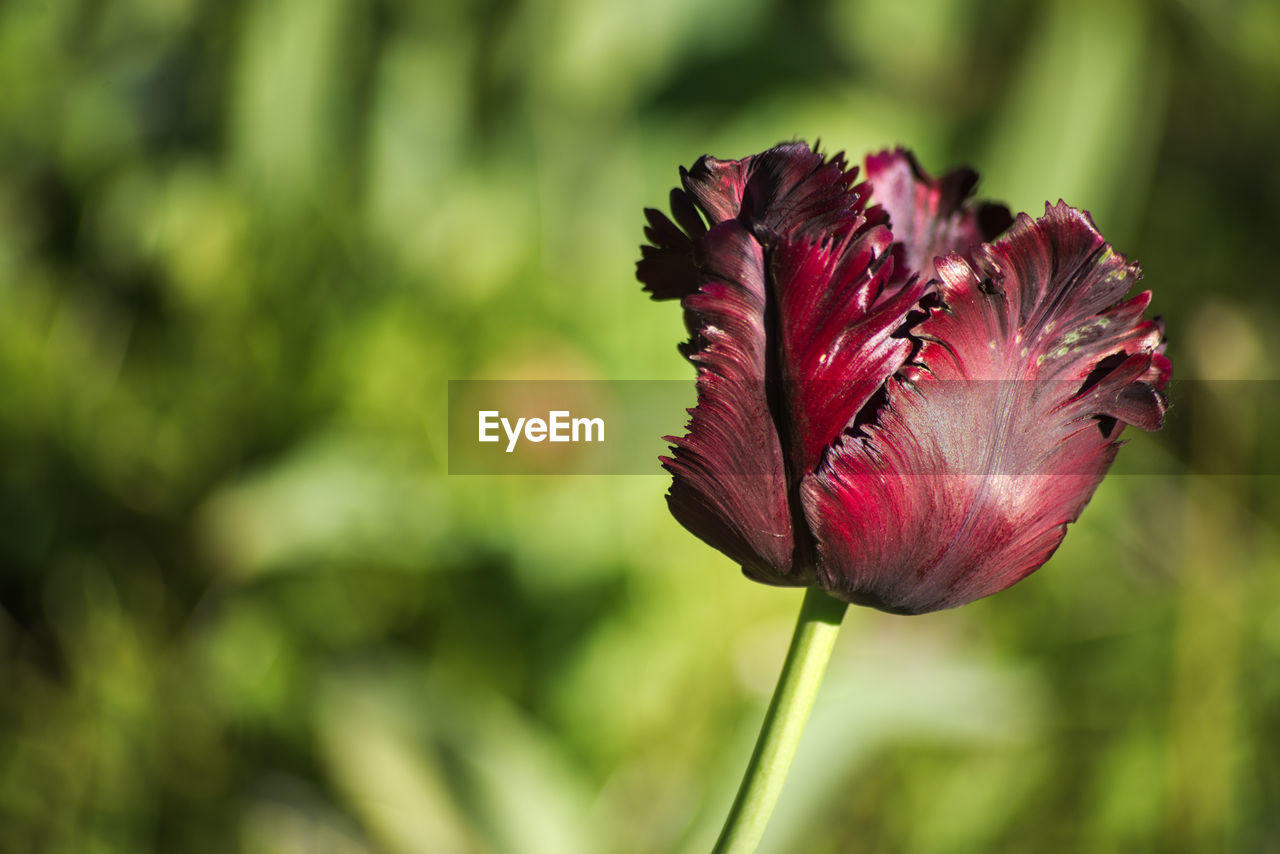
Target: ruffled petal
{"x": 668, "y": 265}
{"x": 834, "y": 339}
{"x": 995, "y": 438}
{"x": 788, "y": 190}
{"x": 792, "y": 332}
{"x": 930, "y": 217}
{"x": 729, "y": 483}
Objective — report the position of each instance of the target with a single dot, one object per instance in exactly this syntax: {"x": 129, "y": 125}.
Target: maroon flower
{"x": 893, "y": 404}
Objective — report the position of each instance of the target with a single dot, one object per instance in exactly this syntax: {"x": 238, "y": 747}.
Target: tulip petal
{"x": 789, "y": 189}
{"x": 729, "y": 483}
{"x": 668, "y": 265}
{"x": 792, "y": 331}
{"x": 835, "y": 339}
{"x": 988, "y": 444}
{"x": 930, "y": 217}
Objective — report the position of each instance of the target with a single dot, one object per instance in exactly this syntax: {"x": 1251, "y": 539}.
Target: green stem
{"x": 815, "y": 635}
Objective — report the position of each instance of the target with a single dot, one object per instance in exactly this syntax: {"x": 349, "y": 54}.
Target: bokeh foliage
{"x": 243, "y": 245}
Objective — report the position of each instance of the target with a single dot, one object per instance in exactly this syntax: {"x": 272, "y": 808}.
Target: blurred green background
{"x": 244, "y": 245}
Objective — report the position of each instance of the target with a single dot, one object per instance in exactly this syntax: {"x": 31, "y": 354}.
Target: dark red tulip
{"x": 895, "y": 402}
